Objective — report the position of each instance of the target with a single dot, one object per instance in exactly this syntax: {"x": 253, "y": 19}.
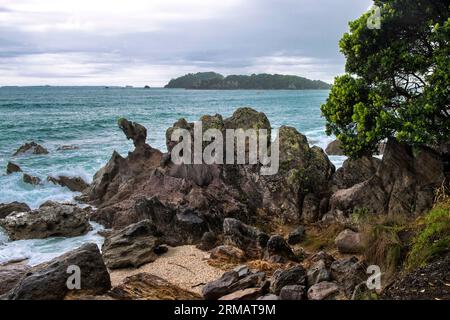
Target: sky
{"x": 148, "y": 42}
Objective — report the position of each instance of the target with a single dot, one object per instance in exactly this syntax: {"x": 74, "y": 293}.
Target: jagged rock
{"x": 132, "y": 246}
{"x": 50, "y": 220}
{"x": 293, "y": 276}
{"x": 318, "y": 272}
{"x": 334, "y": 148}
{"x": 12, "y": 167}
{"x": 145, "y": 286}
{"x": 133, "y": 131}
{"x": 228, "y": 253}
{"x": 244, "y": 294}
{"x": 348, "y": 273}
{"x": 75, "y": 184}
{"x": 354, "y": 171}
{"x": 31, "y": 179}
{"x": 245, "y": 237}
{"x": 296, "y": 236}
{"x": 208, "y": 241}
{"x": 278, "y": 251}
{"x": 31, "y": 147}
{"x": 349, "y": 241}
{"x": 303, "y": 170}
{"x": 48, "y": 281}
{"x": 10, "y": 274}
{"x": 403, "y": 184}
{"x": 8, "y": 208}
{"x": 231, "y": 282}
{"x": 323, "y": 290}
{"x": 292, "y": 292}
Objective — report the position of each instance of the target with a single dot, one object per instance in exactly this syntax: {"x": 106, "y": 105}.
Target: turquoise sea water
{"x": 87, "y": 118}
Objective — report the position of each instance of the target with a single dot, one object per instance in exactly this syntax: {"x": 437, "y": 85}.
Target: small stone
{"x": 292, "y": 292}
{"x": 323, "y": 290}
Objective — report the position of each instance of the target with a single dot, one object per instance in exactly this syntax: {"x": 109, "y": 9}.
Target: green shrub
{"x": 434, "y": 238}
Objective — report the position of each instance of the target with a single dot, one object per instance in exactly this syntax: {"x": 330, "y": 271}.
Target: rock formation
{"x": 50, "y": 220}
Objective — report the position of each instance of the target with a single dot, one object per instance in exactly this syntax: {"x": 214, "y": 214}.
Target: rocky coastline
{"x": 299, "y": 234}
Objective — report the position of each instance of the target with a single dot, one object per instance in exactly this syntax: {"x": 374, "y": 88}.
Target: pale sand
{"x": 185, "y": 266}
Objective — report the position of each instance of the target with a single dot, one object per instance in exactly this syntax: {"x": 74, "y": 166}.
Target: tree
{"x": 397, "y": 78}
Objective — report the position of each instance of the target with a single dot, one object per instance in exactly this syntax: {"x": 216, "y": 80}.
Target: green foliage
{"x": 211, "y": 80}
{"x": 397, "y": 80}
{"x": 434, "y": 239}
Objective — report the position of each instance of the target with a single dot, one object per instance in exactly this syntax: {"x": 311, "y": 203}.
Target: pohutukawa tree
{"x": 397, "y": 78}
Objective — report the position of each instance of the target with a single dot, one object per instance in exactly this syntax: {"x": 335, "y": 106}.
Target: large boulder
{"x": 292, "y": 276}
{"x": 245, "y": 237}
{"x": 132, "y": 246}
{"x": 403, "y": 185}
{"x": 145, "y": 286}
{"x": 49, "y": 281}
{"x": 50, "y": 220}
{"x": 32, "y": 148}
{"x": 349, "y": 241}
{"x": 10, "y": 275}
{"x": 75, "y": 184}
{"x": 8, "y": 208}
{"x": 355, "y": 171}
{"x": 12, "y": 167}
{"x": 334, "y": 148}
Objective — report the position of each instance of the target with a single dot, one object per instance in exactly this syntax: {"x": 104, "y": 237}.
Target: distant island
{"x": 264, "y": 81}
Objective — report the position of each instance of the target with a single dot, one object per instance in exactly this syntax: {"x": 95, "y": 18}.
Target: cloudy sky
{"x": 139, "y": 42}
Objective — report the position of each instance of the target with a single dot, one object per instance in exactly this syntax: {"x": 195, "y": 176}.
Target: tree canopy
{"x": 211, "y": 80}
{"x": 397, "y": 78}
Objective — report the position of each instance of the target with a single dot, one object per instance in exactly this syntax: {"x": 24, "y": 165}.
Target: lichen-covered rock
{"x": 50, "y": 220}
{"x": 48, "y": 281}
{"x": 8, "y": 208}
{"x": 31, "y": 147}
{"x": 133, "y": 246}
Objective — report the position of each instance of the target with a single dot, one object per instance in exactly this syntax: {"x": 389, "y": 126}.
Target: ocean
{"x": 86, "y": 117}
